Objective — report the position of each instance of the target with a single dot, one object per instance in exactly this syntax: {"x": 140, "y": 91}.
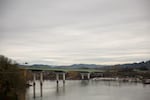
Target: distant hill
{"x": 141, "y": 65}
{"x": 145, "y": 64}
{"x": 41, "y": 65}
{"x": 86, "y": 66}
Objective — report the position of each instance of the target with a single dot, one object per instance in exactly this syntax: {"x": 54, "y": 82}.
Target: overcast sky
{"x": 62, "y": 32}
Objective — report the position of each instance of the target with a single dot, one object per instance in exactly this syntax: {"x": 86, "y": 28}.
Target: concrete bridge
{"x": 58, "y": 71}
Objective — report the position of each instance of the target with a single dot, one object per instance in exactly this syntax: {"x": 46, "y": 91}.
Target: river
{"x": 90, "y": 90}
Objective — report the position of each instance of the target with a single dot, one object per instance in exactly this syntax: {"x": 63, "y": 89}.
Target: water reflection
{"x": 60, "y": 90}
{"x": 91, "y": 90}
{"x": 114, "y": 83}
{"x": 85, "y": 82}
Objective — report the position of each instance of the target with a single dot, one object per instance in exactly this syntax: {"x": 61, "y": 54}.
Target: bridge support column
{"x": 88, "y": 76}
{"x": 64, "y": 78}
{"x": 82, "y": 76}
{"x": 57, "y": 78}
{"x": 34, "y": 79}
{"x": 41, "y": 83}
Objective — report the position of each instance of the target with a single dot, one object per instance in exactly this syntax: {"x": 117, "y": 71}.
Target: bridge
{"x": 58, "y": 72}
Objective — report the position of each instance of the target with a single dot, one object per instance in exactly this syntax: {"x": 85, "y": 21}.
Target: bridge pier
{"x": 41, "y": 83}
{"x": 57, "y": 78}
{"x": 64, "y": 78}
{"x": 34, "y": 83}
{"x": 85, "y": 74}
{"x": 34, "y": 79}
{"x": 88, "y": 76}
{"x": 82, "y": 76}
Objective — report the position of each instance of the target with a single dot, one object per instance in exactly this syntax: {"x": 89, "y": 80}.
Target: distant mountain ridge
{"x": 143, "y": 64}
{"x": 137, "y": 65}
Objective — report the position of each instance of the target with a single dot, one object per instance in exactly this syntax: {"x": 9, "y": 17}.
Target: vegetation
{"x": 12, "y": 80}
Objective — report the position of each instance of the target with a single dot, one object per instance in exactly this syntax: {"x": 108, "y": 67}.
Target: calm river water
{"x": 90, "y": 90}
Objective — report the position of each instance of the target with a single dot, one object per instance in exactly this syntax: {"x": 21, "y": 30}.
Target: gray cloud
{"x": 75, "y": 31}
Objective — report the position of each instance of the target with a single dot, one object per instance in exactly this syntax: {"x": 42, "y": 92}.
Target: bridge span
{"x": 58, "y": 71}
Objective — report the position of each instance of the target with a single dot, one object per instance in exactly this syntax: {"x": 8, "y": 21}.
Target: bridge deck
{"x": 62, "y": 69}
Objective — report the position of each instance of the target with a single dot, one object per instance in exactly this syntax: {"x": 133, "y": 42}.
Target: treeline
{"x": 12, "y": 80}
{"x": 141, "y": 65}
